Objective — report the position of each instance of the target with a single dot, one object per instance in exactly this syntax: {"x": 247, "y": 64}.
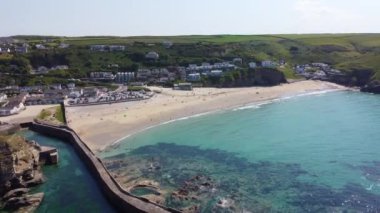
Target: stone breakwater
{"x": 122, "y": 200}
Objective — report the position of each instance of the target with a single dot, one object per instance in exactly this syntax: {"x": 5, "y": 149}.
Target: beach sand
{"x": 102, "y": 125}
{"x": 27, "y": 115}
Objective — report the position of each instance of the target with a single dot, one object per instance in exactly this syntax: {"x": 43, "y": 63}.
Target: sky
{"x": 186, "y": 17}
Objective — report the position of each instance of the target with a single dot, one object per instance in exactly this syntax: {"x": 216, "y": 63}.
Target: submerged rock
{"x": 192, "y": 179}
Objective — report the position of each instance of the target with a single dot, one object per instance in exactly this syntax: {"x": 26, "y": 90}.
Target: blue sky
{"x": 184, "y": 17}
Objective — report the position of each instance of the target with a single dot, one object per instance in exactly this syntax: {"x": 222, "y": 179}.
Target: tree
{"x": 134, "y": 67}
{"x": 236, "y": 75}
{"x": 229, "y": 77}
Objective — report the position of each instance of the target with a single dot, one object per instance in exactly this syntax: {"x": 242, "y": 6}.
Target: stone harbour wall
{"x": 122, "y": 200}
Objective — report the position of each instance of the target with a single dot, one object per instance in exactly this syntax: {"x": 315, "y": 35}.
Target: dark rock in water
{"x": 210, "y": 180}
{"x": 16, "y": 182}
{"x": 115, "y": 157}
{"x": 191, "y": 209}
{"x": 28, "y": 174}
{"x": 15, "y": 203}
{"x": 15, "y": 193}
{"x": 352, "y": 198}
{"x": 373, "y": 87}
{"x": 370, "y": 170}
{"x": 37, "y": 180}
{"x": 27, "y": 203}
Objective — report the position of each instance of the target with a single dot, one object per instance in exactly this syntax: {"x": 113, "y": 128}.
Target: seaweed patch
{"x": 192, "y": 179}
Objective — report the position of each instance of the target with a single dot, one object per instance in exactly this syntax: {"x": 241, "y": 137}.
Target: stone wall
{"x": 122, "y": 200}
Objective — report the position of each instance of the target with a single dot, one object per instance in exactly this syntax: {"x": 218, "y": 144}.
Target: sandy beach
{"x": 102, "y": 125}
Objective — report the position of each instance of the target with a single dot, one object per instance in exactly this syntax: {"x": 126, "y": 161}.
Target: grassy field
{"x": 52, "y": 115}
{"x": 59, "y": 114}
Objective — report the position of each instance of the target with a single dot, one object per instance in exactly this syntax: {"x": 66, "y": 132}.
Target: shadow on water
{"x": 194, "y": 179}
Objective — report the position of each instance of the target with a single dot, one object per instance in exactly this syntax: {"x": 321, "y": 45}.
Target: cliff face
{"x": 258, "y": 77}
{"x": 269, "y": 77}
{"x": 362, "y": 78}
{"x": 19, "y": 170}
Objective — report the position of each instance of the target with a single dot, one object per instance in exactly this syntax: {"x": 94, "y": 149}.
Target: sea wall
{"x": 122, "y": 200}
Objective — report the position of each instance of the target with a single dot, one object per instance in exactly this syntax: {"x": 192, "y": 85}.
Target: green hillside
{"x": 348, "y": 52}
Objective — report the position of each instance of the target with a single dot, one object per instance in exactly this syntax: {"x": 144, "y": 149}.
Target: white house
{"x": 238, "y": 61}
{"x": 56, "y": 86}
{"x": 71, "y": 86}
{"x": 14, "y": 105}
{"x": 23, "y": 49}
{"x": 123, "y": 77}
{"x": 269, "y": 64}
{"x": 114, "y": 48}
{"x": 100, "y": 48}
{"x": 102, "y": 76}
{"x": 4, "y": 50}
{"x": 193, "y": 77}
{"x": 183, "y": 86}
{"x": 60, "y": 67}
{"x": 40, "y": 47}
{"x": 167, "y": 44}
{"x": 63, "y": 46}
{"x": 42, "y": 70}
{"x": 320, "y": 65}
{"x": 216, "y": 73}
{"x": 3, "y": 97}
{"x": 144, "y": 74}
{"x": 152, "y": 55}
{"x": 252, "y": 65}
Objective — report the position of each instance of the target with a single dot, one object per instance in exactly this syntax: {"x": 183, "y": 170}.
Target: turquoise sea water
{"x": 317, "y": 153}
{"x": 69, "y": 186}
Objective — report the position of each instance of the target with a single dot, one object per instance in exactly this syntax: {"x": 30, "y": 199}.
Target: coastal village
{"x": 132, "y": 85}
{"x": 98, "y": 110}
{"x": 138, "y": 99}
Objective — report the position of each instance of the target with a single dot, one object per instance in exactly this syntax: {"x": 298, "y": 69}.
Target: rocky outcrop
{"x": 362, "y": 78}
{"x": 19, "y": 169}
{"x": 6, "y": 128}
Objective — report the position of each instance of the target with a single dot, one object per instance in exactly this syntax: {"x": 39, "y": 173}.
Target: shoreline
{"x": 101, "y": 127}
{"x": 234, "y": 108}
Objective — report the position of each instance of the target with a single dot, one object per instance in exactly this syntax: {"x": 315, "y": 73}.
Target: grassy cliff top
{"x": 14, "y": 143}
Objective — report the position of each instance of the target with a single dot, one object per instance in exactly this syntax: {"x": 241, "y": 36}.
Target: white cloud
{"x": 324, "y": 16}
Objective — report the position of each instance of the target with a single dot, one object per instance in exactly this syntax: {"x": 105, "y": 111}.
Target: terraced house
{"x": 14, "y": 105}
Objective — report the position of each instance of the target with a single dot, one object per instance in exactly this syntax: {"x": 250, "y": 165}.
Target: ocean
{"x": 308, "y": 153}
